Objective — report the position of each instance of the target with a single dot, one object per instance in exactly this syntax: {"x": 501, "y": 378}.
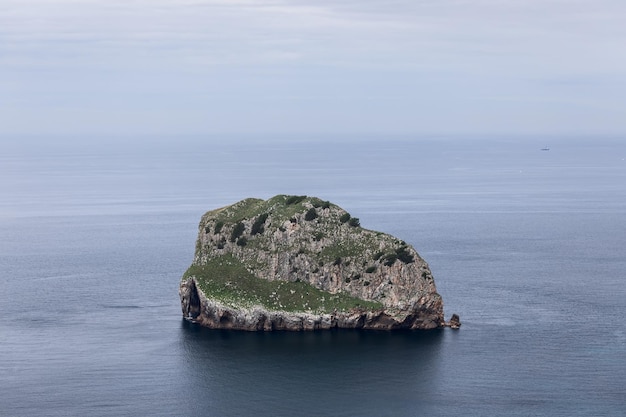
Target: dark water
{"x": 528, "y": 246}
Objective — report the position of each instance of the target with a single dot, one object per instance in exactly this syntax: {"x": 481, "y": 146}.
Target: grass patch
{"x": 340, "y": 250}
{"x": 226, "y": 279}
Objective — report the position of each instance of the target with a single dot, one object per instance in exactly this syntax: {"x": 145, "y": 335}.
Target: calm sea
{"x": 528, "y": 246}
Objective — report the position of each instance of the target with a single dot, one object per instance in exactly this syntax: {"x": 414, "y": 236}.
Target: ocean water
{"x": 527, "y": 246}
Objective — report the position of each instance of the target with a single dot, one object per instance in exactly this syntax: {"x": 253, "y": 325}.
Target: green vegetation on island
{"x": 294, "y": 254}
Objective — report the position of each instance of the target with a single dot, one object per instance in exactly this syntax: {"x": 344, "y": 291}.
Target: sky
{"x": 72, "y": 67}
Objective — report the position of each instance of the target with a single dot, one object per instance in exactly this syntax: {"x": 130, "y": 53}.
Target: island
{"x": 300, "y": 263}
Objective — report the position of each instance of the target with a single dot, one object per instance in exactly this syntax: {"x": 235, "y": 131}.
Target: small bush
{"x": 310, "y": 214}
{"x": 390, "y": 259}
{"x": 366, "y": 283}
{"x": 344, "y": 217}
{"x": 377, "y": 255}
{"x": 237, "y": 231}
{"x": 354, "y": 222}
{"x": 218, "y": 227}
{"x": 220, "y": 245}
{"x": 294, "y": 199}
{"x": 370, "y": 269}
{"x": 357, "y": 276}
{"x": 259, "y": 224}
{"x": 404, "y": 255}
{"x": 337, "y": 261}
{"x": 242, "y": 241}
{"x": 318, "y": 236}
{"x": 347, "y": 280}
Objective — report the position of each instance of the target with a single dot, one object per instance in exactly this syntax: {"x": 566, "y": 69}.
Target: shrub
{"x": 370, "y": 269}
{"x": 337, "y": 261}
{"x": 294, "y": 199}
{"x": 258, "y": 225}
{"x": 390, "y": 259}
{"x": 347, "y": 280}
{"x": 237, "y": 231}
{"x": 357, "y": 276}
{"x": 310, "y": 214}
{"x": 218, "y": 227}
{"x": 378, "y": 255}
{"x": 318, "y": 236}
{"x": 242, "y": 241}
{"x": 354, "y": 222}
{"x": 344, "y": 217}
{"x": 366, "y": 283}
{"x": 404, "y": 255}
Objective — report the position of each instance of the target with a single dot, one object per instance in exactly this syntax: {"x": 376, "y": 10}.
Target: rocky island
{"x": 301, "y": 263}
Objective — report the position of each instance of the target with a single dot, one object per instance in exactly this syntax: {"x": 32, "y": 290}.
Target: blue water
{"x": 528, "y": 246}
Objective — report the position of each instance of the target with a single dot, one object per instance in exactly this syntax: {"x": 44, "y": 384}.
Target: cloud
{"x": 368, "y": 33}
{"x": 323, "y": 56}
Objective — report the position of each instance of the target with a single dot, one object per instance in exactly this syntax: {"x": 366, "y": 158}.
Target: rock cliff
{"x": 300, "y": 263}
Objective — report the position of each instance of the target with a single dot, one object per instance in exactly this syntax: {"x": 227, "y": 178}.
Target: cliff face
{"x": 299, "y": 263}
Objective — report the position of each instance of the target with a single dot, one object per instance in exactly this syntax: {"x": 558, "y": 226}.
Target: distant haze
{"x": 283, "y": 66}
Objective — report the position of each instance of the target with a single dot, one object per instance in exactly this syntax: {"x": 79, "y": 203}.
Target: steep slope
{"x": 300, "y": 263}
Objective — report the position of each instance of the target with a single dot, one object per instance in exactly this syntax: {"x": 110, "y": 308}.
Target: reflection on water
{"x": 281, "y": 373}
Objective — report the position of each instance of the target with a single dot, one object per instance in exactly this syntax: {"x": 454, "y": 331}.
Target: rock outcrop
{"x": 454, "y": 323}
{"x": 300, "y": 263}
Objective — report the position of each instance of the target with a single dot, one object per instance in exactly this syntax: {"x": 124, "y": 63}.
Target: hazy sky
{"x": 282, "y": 66}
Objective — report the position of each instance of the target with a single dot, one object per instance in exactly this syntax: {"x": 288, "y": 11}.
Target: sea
{"x": 527, "y": 245}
